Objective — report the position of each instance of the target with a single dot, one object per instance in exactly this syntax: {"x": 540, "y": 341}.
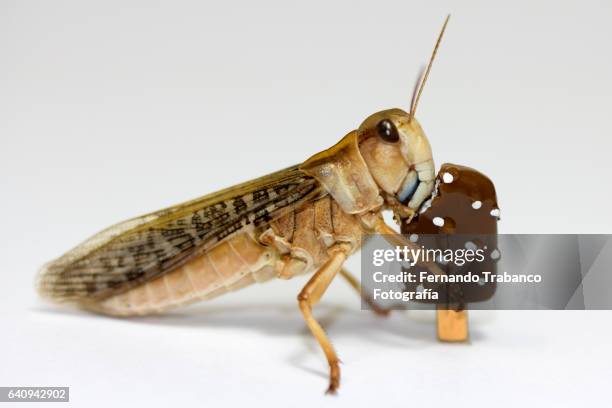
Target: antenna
{"x": 421, "y": 84}
{"x": 415, "y": 90}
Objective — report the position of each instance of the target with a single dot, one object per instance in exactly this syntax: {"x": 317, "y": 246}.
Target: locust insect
{"x": 303, "y": 219}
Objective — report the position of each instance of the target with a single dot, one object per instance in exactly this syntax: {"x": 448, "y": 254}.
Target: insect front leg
{"x": 310, "y": 296}
{"x": 375, "y": 223}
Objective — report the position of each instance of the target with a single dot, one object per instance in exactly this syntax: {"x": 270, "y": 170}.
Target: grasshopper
{"x": 303, "y": 219}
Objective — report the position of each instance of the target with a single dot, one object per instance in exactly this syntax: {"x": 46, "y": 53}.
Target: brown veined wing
{"x": 143, "y": 248}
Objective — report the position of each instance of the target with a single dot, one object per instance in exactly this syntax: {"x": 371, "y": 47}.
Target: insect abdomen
{"x": 233, "y": 264}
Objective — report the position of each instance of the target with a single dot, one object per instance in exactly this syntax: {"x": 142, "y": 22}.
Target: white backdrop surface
{"x": 116, "y": 108}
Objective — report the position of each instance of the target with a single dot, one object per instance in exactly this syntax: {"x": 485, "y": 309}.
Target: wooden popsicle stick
{"x": 452, "y": 326}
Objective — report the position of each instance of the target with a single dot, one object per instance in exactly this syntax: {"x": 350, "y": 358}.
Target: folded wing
{"x": 143, "y": 248}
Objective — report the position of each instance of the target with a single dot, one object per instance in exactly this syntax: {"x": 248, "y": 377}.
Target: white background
{"x": 112, "y": 109}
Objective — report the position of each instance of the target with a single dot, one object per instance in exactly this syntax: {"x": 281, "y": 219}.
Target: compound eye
{"x": 387, "y": 131}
